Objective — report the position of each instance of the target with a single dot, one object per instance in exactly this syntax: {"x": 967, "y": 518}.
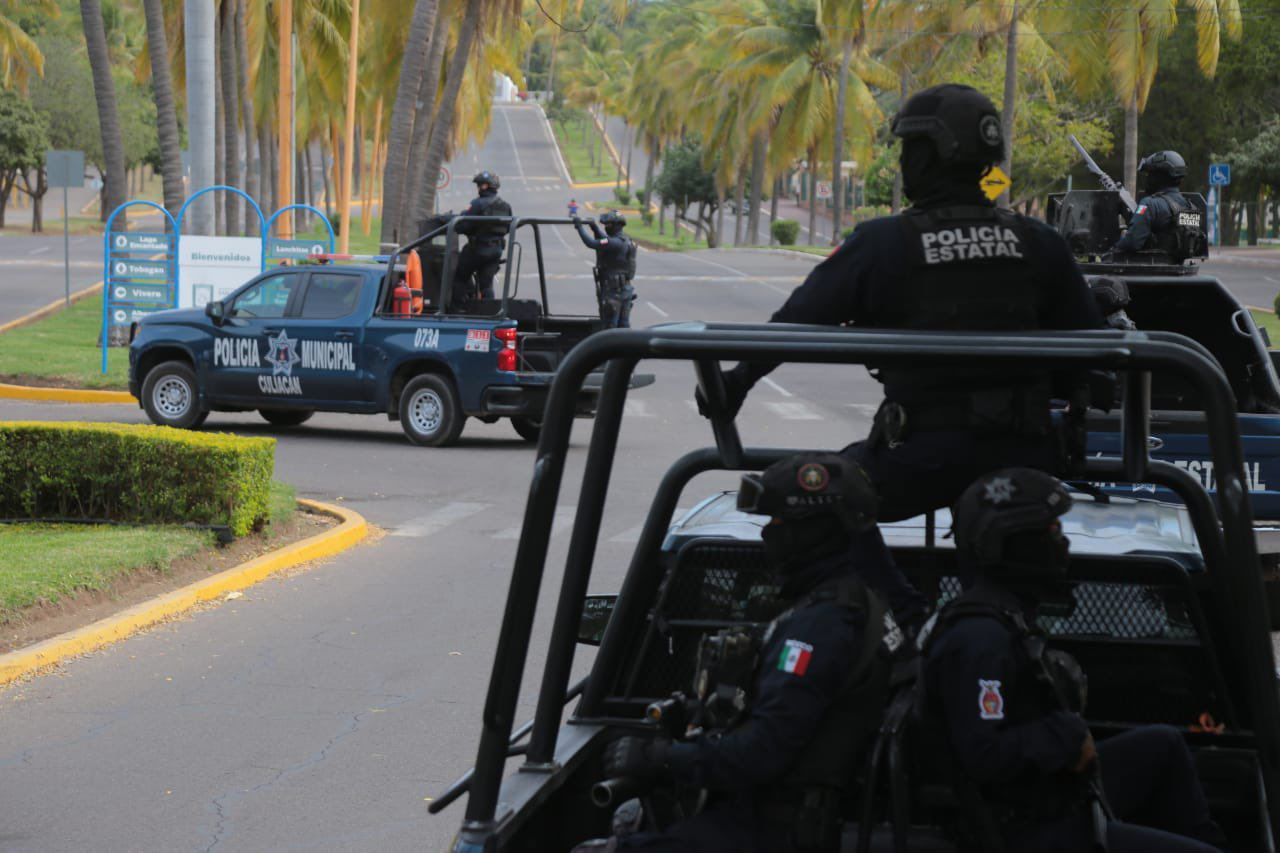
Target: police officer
{"x": 1010, "y": 710}
{"x": 953, "y": 261}
{"x": 484, "y": 244}
{"x": 776, "y": 775}
{"x": 615, "y": 267}
{"x": 1155, "y": 222}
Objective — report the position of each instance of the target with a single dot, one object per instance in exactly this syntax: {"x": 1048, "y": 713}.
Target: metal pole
{"x": 66, "y": 245}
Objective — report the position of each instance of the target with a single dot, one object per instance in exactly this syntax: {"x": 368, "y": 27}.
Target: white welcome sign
{"x": 210, "y": 268}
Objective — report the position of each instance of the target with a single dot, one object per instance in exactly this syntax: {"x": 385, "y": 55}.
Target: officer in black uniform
{"x": 776, "y": 774}
{"x": 483, "y": 251}
{"x": 615, "y": 267}
{"x": 1155, "y": 221}
{"x": 1010, "y": 710}
{"x": 953, "y": 261}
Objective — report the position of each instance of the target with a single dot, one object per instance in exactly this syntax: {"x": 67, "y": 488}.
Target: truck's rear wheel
{"x": 171, "y": 397}
{"x": 429, "y": 411}
{"x": 529, "y": 428}
{"x": 286, "y": 417}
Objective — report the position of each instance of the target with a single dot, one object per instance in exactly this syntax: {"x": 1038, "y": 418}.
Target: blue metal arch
{"x": 106, "y": 264}
{"x": 271, "y": 221}
{"x": 262, "y": 222}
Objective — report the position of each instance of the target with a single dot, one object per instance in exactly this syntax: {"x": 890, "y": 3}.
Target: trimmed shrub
{"x": 623, "y": 197}
{"x": 642, "y": 197}
{"x": 785, "y": 231}
{"x": 134, "y": 473}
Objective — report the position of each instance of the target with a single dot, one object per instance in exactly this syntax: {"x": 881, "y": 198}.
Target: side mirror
{"x": 596, "y": 610}
{"x": 216, "y": 311}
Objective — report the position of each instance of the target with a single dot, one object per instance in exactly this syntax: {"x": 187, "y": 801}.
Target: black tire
{"x": 430, "y": 414}
{"x": 171, "y": 396}
{"x": 286, "y": 417}
{"x": 529, "y": 428}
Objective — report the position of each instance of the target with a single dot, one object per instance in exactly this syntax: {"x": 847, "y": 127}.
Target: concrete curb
{"x": 104, "y": 632}
{"x": 52, "y": 307}
{"x": 65, "y": 395}
{"x": 816, "y": 258}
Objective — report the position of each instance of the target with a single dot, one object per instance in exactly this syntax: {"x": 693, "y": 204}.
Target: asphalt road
{"x": 32, "y": 273}
{"x": 321, "y": 710}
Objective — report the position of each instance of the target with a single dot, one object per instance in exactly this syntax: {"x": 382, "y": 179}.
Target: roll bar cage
{"x": 1225, "y": 535}
{"x": 513, "y": 250}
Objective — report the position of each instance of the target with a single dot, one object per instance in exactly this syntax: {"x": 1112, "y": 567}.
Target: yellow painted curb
{"x": 102, "y": 633}
{"x": 597, "y": 185}
{"x": 64, "y": 395}
{"x": 53, "y": 306}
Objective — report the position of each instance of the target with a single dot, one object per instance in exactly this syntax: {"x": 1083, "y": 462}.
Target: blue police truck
{"x": 355, "y": 338}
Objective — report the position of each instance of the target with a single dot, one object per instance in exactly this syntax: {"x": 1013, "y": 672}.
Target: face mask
{"x": 795, "y": 543}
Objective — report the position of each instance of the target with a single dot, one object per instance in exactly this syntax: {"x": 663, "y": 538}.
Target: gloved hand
{"x": 638, "y": 758}
{"x": 736, "y": 386}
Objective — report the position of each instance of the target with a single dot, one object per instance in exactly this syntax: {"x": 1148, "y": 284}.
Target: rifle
{"x": 1108, "y": 183}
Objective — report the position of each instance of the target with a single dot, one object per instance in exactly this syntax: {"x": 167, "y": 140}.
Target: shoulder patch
{"x": 795, "y": 657}
{"x": 1142, "y": 208}
{"x": 990, "y": 702}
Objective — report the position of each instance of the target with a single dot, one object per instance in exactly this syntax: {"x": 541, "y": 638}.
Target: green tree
{"x": 24, "y": 139}
{"x": 685, "y": 182}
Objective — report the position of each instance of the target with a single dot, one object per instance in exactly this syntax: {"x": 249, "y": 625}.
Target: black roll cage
{"x": 514, "y": 249}
{"x": 1225, "y": 535}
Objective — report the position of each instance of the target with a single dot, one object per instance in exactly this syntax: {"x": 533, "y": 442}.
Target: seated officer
{"x": 1010, "y": 710}
{"x": 776, "y": 771}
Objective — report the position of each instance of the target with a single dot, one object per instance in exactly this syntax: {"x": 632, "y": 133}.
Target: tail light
{"x": 507, "y": 355}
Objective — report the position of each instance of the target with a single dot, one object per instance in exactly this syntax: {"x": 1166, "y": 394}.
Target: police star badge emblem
{"x": 282, "y": 354}
{"x": 990, "y": 702}
{"x": 813, "y": 477}
{"x": 999, "y": 490}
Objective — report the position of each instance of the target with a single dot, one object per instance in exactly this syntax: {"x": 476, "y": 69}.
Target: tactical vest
{"x": 969, "y": 270}
{"x": 1047, "y": 681}
{"x": 613, "y": 265}
{"x": 1183, "y": 236}
{"x": 810, "y": 796}
{"x": 492, "y": 205}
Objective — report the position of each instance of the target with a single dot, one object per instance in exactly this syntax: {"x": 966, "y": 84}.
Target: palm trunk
{"x": 426, "y": 110}
{"x": 270, "y": 171}
{"x": 442, "y": 128}
{"x": 837, "y": 185}
{"x": 403, "y": 114}
{"x": 1131, "y": 143}
{"x": 1010, "y": 96}
{"x": 810, "y": 173}
{"x": 758, "y": 151}
{"x": 219, "y": 143}
{"x": 896, "y": 202}
{"x": 366, "y": 213}
{"x": 349, "y": 131}
{"x": 166, "y": 108}
{"x": 654, "y": 148}
{"x": 286, "y": 144}
{"x": 739, "y": 199}
{"x": 329, "y": 182}
{"x": 95, "y": 36}
{"x": 306, "y": 182}
{"x": 228, "y": 64}
{"x": 631, "y": 144}
{"x": 773, "y": 207}
{"x": 551, "y": 66}
{"x": 252, "y": 160}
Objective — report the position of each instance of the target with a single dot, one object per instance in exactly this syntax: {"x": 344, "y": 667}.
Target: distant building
{"x": 504, "y": 89}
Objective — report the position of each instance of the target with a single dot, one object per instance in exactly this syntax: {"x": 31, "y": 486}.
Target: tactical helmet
{"x": 613, "y": 219}
{"x": 1167, "y": 163}
{"x": 962, "y": 123}
{"x": 487, "y": 177}
{"x": 1009, "y": 504}
{"x": 812, "y": 484}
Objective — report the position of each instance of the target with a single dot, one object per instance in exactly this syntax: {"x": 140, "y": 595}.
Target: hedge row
{"x": 134, "y": 473}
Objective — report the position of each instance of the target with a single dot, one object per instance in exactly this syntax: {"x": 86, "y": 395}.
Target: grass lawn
{"x": 46, "y": 562}
{"x": 574, "y": 150}
{"x": 360, "y": 243}
{"x": 1269, "y": 321}
{"x": 63, "y": 349}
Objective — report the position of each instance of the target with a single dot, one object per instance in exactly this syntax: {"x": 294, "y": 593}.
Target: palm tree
{"x": 230, "y": 91}
{"x": 252, "y": 164}
{"x": 20, "y": 56}
{"x": 166, "y": 108}
{"x": 95, "y": 37}
{"x": 1133, "y": 32}
{"x": 428, "y": 93}
{"x": 403, "y": 115}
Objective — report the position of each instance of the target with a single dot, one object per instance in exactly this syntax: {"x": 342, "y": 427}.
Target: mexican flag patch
{"x": 795, "y": 657}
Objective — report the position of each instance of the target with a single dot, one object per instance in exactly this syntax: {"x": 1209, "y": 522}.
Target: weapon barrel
{"x": 610, "y": 792}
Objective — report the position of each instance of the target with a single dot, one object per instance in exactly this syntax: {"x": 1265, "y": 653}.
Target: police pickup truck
{"x": 354, "y": 338}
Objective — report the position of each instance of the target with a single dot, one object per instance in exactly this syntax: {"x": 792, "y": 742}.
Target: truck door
{"x": 249, "y": 355}
{"x": 329, "y": 331}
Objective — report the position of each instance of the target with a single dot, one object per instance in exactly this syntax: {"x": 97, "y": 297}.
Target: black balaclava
{"x": 928, "y": 180}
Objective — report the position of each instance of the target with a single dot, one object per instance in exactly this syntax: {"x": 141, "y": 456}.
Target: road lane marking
{"x": 563, "y": 521}
{"x": 555, "y": 146}
{"x": 656, "y": 309}
{"x": 434, "y": 522}
{"x": 39, "y": 251}
{"x": 775, "y": 386}
{"x": 794, "y": 411}
{"x": 636, "y": 409}
{"x": 1271, "y": 279}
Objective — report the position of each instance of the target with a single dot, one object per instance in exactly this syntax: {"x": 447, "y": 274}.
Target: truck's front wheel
{"x": 529, "y": 428}
{"x": 170, "y": 396}
{"x": 429, "y": 411}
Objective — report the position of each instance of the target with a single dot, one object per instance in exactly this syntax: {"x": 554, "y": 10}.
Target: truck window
{"x": 330, "y": 296}
{"x": 268, "y": 298}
